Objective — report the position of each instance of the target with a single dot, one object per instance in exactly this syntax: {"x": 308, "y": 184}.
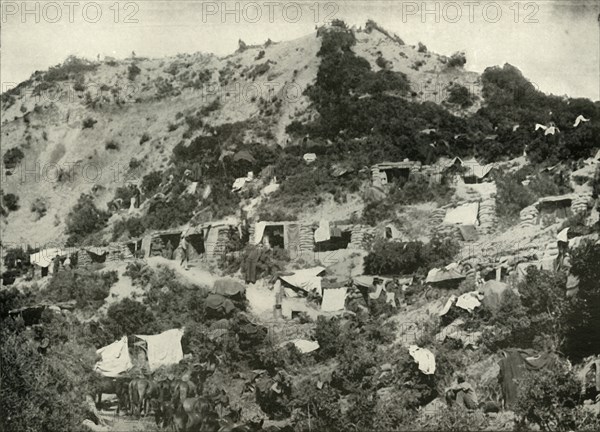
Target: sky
{"x": 556, "y": 44}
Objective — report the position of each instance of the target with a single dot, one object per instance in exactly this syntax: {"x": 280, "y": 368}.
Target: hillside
{"x": 44, "y": 116}
{"x": 338, "y": 232}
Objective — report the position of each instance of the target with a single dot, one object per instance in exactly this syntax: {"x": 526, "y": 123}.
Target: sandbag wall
{"x": 529, "y": 216}
{"x": 582, "y": 202}
{"x": 83, "y": 258}
{"x": 307, "y": 238}
{"x": 437, "y": 217}
{"x": 442, "y": 230}
{"x": 362, "y": 237}
{"x": 487, "y": 216}
{"x": 222, "y": 240}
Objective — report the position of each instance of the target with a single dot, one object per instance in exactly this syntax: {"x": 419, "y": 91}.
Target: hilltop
{"x": 88, "y": 126}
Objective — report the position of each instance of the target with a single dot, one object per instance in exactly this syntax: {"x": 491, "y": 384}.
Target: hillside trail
{"x": 195, "y": 274}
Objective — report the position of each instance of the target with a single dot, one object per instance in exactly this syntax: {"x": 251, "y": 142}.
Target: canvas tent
{"x": 115, "y": 359}
{"x": 444, "y": 276}
{"x": 164, "y": 348}
{"x": 474, "y": 171}
{"x": 334, "y": 299}
{"x": 306, "y": 280}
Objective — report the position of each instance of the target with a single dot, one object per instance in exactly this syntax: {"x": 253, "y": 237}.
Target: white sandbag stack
{"x": 83, "y": 258}
{"x": 361, "y": 237}
{"x": 307, "y": 238}
{"x": 582, "y": 202}
{"x": 529, "y": 216}
{"x": 437, "y": 217}
{"x": 356, "y": 238}
{"x": 551, "y": 250}
{"x": 487, "y": 216}
{"x": 448, "y": 232}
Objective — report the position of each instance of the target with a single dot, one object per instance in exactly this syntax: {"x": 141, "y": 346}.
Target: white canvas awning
{"x": 115, "y": 359}
{"x": 306, "y": 280}
{"x": 44, "y": 257}
{"x": 334, "y": 299}
{"x": 259, "y": 231}
{"x": 164, "y": 349}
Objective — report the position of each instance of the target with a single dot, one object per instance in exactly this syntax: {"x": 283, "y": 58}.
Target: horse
{"x": 182, "y": 390}
{"x": 138, "y": 398}
{"x": 163, "y": 407}
{"x": 197, "y": 418}
{"x": 116, "y": 386}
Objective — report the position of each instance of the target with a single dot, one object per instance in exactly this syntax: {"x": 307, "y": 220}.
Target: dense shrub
{"x": 88, "y": 123}
{"x": 509, "y": 326}
{"x": 132, "y": 227}
{"x": 548, "y": 398}
{"x": 13, "y": 254}
{"x": 133, "y": 71}
{"x": 42, "y": 391}
{"x": 457, "y": 59}
{"x": 460, "y": 95}
{"x": 163, "y": 215}
{"x": 84, "y": 219}
{"x": 88, "y": 288}
{"x": 10, "y": 202}
{"x": 377, "y": 211}
{"x": 39, "y": 207}
{"x": 111, "y": 145}
{"x": 144, "y": 138}
{"x": 389, "y": 258}
{"x": 319, "y": 408}
{"x": 584, "y": 315}
{"x": 12, "y": 157}
{"x": 151, "y": 182}
{"x": 128, "y": 317}
{"x": 73, "y": 68}
{"x": 511, "y": 196}
{"x": 327, "y": 333}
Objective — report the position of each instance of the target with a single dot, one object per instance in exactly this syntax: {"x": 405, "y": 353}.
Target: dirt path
{"x": 128, "y": 423}
{"x": 195, "y": 274}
